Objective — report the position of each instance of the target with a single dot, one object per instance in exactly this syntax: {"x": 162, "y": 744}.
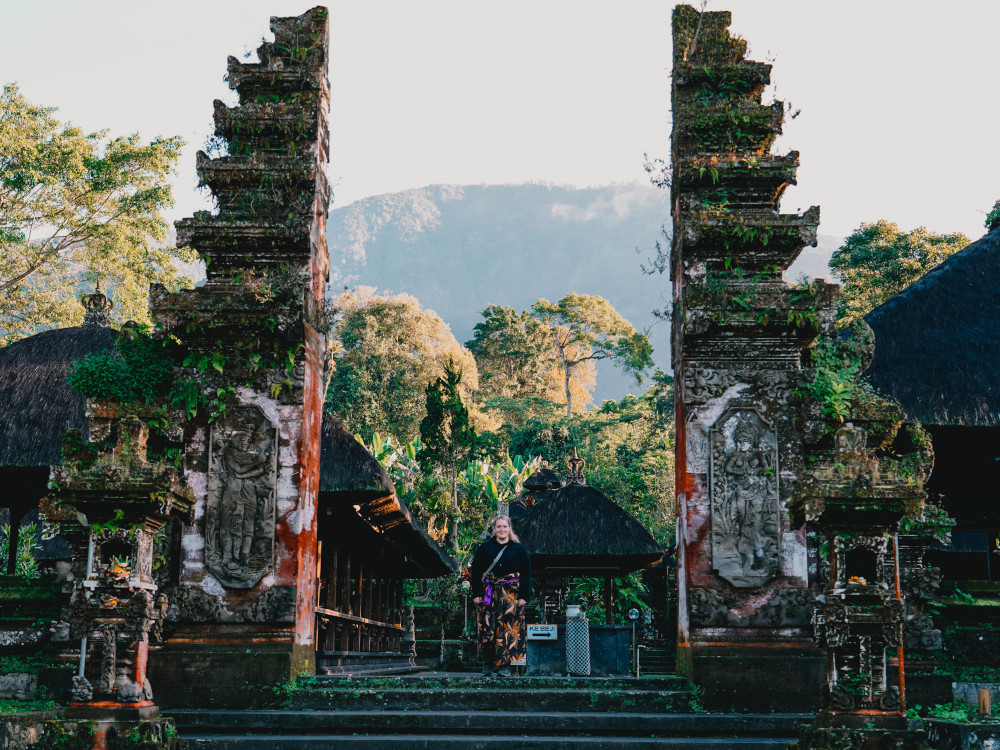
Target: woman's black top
{"x": 514, "y": 560}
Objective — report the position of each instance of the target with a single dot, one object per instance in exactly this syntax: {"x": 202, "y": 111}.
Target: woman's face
{"x": 501, "y": 530}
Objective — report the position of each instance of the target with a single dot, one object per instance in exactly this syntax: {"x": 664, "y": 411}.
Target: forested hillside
{"x": 459, "y": 248}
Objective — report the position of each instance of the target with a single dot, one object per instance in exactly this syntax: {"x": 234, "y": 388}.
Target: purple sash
{"x": 488, "y": 591}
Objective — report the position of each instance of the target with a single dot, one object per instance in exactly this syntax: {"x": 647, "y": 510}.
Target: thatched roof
{"x": 345, "y": 465}
{"x": 937, "y": 343}
{"x": 350, "y": 477}
{"x": 542, "y": 479}
{"x": 36, "y": 405}
{"x": 578, "y": 530}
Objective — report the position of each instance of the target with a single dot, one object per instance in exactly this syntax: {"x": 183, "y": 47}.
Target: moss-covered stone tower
{"x": 740, "y": 335}
{"x": 252, "y": 343}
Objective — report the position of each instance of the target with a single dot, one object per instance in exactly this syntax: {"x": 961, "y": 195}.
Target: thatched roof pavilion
{"x": 37, "y": 407}
{"x": 937, "y": 347}
{"x": 937, "y": 352}
{"x": 358, "y": 495}
{"x": 580, "y": 531}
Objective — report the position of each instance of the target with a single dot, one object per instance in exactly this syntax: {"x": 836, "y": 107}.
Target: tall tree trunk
{"x": 454, "y": 506}
{"x": 569, "y": 397}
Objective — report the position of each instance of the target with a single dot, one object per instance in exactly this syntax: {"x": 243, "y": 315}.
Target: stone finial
{"x": 575, "y": 473}
{"x": 98, "y": 307}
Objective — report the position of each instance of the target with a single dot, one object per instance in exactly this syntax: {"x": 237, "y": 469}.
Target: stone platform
{"x": 462, "y": 710}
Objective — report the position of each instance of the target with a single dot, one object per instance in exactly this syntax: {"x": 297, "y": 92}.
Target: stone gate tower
{"x": 252, "y": 344}
{"x": 739, "y": 337}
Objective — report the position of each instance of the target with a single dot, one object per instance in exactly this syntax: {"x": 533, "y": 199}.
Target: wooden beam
{"x": 330, "y": 614}
{"x": 609, "y": 600}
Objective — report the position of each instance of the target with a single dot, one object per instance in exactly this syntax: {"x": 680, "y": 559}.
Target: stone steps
{"x": 461, "y": 711}
{"x": 494, "y": 699}
{"x": 504, "y": 741}
{"x": 459, "y": 692}
{"x": 285, "y": 722}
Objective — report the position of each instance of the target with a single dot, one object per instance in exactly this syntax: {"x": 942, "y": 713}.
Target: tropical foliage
{"x": 78, "y": 208}
{"x": 879, "y": 260}
{"x": 387, "y": 350}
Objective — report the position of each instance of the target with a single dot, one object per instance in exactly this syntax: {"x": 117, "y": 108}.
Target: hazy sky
{"x": 898, "y": 99}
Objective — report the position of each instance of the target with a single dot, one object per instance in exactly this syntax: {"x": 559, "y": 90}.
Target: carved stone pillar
{"x": 253, "y": 346}
{"x": 740, "y": 335}
{"x": 858, "y": 501}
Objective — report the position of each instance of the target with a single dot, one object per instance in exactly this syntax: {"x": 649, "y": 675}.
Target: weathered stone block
{"x": 18, "y": 686}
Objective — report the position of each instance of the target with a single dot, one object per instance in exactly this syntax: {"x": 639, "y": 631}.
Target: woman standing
{"x": 501, "y": 586}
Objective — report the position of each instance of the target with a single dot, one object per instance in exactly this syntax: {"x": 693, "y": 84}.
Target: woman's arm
{"x": 524, "y": 584}
{"x": 476, "y": 584}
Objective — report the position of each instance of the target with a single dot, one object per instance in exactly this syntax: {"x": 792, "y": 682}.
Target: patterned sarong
{"x": 501, "y": 622}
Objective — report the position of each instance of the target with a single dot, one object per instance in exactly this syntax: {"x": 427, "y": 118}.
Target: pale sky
{"x": 898, "y": 97}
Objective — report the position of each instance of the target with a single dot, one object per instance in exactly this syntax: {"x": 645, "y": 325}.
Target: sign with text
{"x": 542, "y": 632}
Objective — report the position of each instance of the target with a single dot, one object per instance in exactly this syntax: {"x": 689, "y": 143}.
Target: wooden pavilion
{"x": 937, "y": 353}
{"x": 368, "y": 544}
{"x": 578, "y": 531}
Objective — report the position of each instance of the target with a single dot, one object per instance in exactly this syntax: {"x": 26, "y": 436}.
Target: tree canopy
{"x": 387, "y": 350}
{"x": 447, "y": 437}
{"x": 78, "y": 208}
{"x": 879, "y": 260}
{"x": 518, "y": 374}
{"x": 585, "y": 328}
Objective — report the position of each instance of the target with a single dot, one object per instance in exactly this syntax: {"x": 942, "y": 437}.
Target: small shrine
{"x": 578, "y": 531}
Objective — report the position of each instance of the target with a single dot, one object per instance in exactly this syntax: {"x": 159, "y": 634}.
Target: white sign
{"x": 542, "y": 632}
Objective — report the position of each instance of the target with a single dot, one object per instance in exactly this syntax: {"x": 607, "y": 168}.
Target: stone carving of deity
{"x": 239, "y": 528}
{"x": 744, "y": 490}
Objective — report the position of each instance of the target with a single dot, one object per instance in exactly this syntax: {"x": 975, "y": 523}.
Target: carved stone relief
{"x": 696, "y": 446}
{"x": 239, "y": 518}
{"x": 702, "y": 384}
{"x": 789, "y": 608}
{"x": 709, "y": 611}
{"x": 193, "y": 604}
{"x": 780, "y": 385}
{"x": 744, "y": 489}
{"x": 274, "y": 605}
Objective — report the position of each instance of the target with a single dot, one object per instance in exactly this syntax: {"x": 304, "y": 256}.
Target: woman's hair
{"x": 501, "y": 517}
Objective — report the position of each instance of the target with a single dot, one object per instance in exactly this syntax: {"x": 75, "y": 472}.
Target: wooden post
{"x": 359, "y": 603}
{"x": 333, "y": 581}
{"x": 345, "y": 577}
{"x": 609, "y": 600}
{"x": 319, "y": 600}
{"x": 985, "y": 709}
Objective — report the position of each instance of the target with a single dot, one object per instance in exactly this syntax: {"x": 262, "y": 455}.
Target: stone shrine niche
{"x": 239, "y": 515}
{"x": 743, "y": 479}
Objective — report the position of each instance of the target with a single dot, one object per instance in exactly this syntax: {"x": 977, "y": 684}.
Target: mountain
{"x": 459, "y": 248}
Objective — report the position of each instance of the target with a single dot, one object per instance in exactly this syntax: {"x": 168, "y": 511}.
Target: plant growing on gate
{"x": 28, "y": 542}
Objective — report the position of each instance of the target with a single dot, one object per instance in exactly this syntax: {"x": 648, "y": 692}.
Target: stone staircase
{"x": 460, "y": 711}
{"x": 657, "y": 658}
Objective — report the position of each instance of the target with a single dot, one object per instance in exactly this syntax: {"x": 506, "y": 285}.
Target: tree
{"x": 585, "y": 328}
{"x": 878, "y": 261}
{"x": 386, "y": 352}
{"x": 78, "y": 208}
{"x": 628, "y": 449}
{"x": 446, "y": 435}
{"x": 515, "y": 361}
